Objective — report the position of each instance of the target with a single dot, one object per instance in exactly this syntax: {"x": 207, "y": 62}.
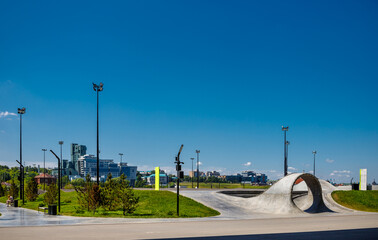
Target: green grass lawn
{"x": 358, "y": 200}
{"x": 152, "y": 204}
{"x": 222, "y": 185}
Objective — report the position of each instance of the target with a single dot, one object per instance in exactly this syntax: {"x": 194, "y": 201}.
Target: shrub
{"x": 51, "y": 195}
{"x": 84, "y": 192}
{"x": 95, "y": 198}
{"x": 126, "y": 196}
{"x": 32, "y": 190}
{"x": 110, "y": 200}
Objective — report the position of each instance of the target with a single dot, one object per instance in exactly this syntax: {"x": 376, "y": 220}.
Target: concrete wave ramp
{"x": 282, "y": 199}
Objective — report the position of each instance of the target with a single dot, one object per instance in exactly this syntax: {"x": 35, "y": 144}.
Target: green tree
{"x": 126, "y": 196}
{"x": 140, "y": 182}
{"x": 31, "y": 190}
{"x": 109, "y": 193}
{"x": 95, "y": 198}
{"x": 83, "y": 193}
{"x": 51, "y": 195}
{"x": 78, "y": 182}
{"x": 13, "y": 190}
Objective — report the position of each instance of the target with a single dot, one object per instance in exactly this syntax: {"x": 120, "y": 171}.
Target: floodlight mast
{"x": 98, "y": 88}
{"x": 21, "y": 111}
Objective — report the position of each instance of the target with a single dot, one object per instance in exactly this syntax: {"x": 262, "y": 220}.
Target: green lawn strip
{"x": 152, "y": 204}
{"x": 222, "y": 185}
{"x": 358, "y": 200}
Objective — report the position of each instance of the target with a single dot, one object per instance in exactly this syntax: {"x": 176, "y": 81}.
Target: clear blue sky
{"x": 219, "y": 76}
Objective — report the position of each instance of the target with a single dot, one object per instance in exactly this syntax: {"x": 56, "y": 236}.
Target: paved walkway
{"x": 316, "y": 227}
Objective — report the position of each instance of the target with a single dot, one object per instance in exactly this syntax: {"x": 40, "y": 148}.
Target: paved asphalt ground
{"x": 314, "y": 227}
{"x": 235, "y": 222}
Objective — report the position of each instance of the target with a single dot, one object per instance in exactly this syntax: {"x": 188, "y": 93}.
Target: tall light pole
{"x": 314, "y": 152}
{"x": 61, "y": 165}
{"x": 198, "y": 152}
{"x": 285, "y": 129}
{"x": 120, "y": 165}
{"x": 59, "y": 180}
{"x": 192, "y": 171}
{"x": 44, "y": 168}
{"x": 98, "y": 88}
{"x": 21, "y": 111}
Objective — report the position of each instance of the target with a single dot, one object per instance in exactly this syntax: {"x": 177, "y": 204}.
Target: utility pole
{"x": 314, "y": 152}
{"x": 180, "y": 174}
{"x": 198, "y": 152}
{"x": 98, "y": 88}
{"x": 285, "y": 129}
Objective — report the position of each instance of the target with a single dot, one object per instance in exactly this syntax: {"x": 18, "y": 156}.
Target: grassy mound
{"x": 358, "y": 200}
{"x": 152, "y": 204}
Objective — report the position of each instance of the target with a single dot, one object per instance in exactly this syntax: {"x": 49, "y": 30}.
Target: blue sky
{"x": 219, "y": 76}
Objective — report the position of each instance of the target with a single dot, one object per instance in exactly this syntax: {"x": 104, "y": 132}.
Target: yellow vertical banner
{"x": 157, "y": 178}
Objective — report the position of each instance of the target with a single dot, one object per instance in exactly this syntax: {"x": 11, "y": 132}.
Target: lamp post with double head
{"x": 98, "y": 88}
{"x": 21, "y": 111}
{"x": 285, "y": 129}
{"x": 198, "y": 152}
{"x": 44, "y": 168}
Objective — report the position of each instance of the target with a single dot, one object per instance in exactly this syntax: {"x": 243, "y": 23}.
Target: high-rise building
{"x": 76, "y": 152}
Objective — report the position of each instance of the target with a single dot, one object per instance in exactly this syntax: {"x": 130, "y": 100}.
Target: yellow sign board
{"x": 157, "y": 178}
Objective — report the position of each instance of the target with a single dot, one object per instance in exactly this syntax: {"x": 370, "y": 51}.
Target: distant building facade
{"x": 88, "y": 165}
{"x": 194, "y": 174}
{"x": 253, "y": 178}
{"x": 77, "y": 151}
{"x": 212, "y": 174}
{"x": 163, "y": 179}
{"x": 45, "y": 178}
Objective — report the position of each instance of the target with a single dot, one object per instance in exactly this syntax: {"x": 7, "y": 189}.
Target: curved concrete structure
{"x": 280, "y": 198}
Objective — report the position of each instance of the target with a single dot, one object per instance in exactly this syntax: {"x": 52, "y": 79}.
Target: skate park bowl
{"x": 285, "y": 196}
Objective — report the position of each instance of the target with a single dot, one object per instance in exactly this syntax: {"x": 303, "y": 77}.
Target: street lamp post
{"x": 21, "y": 111}
{"x": 61, "y": 166}
{"x": 59, "y": 180}
{"x": 285, "y": 129}
{"x": 314, "y": 152}
{"x": 120, "y": 165}
{"x": 180, "y": 174}
{"x": 98, "y": 88}
{"x": 44, "y": 168}
{"x": 198, "y": 152}
{"x": 192, "y": 171}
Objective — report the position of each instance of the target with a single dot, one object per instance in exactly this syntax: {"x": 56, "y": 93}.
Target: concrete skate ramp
{"x": 279, "y": 197}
